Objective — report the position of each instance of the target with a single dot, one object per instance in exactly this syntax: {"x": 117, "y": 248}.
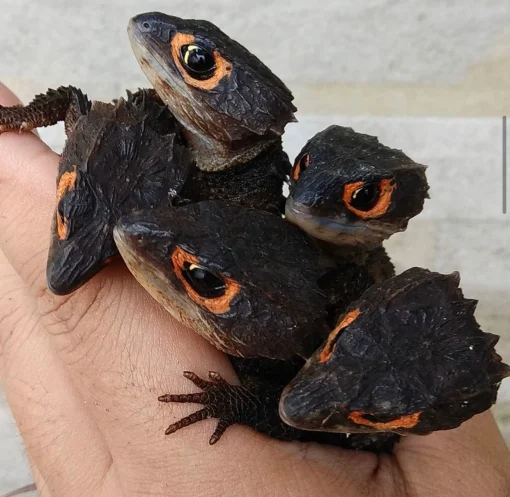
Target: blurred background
{"x": 431, "y": 78}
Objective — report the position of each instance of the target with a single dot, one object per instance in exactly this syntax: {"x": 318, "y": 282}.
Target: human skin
{"x": 82, "y": 374}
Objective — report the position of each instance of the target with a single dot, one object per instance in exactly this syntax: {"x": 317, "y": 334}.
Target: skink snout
{"x": 150, "y": 23}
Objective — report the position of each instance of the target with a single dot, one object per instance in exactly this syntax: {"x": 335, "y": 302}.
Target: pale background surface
{"x": 431, "y": 78}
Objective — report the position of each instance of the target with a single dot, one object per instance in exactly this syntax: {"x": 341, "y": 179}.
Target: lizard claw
{"x": 216, "y": 377}
{"x": 217, "y": 396}
{"x": 255, "y": 406}
{"x": 218, "y": 432}
{"x": 187, "y": 421}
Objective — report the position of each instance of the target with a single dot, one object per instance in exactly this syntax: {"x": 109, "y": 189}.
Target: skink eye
{"x": 198, "y": 61}
{"x": 300, "y": 165}
{"x": 206, "y": 283}
{"x": 200, "y": 66}
{"x": 365, "y": 197}
{"x": 209, "y": 289}
{"x": 369, "y": 200}
{"x": 65, "y": 184}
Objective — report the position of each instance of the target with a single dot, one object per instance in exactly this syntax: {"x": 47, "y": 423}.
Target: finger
{"x": 27, "y": 189}
{"x": 62, "y": 440}
{"x": 436, "y": 463}
{"x": 8, "y": 97}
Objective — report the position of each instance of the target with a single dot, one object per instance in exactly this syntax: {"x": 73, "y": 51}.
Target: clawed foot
{"x": 219, "y": 399}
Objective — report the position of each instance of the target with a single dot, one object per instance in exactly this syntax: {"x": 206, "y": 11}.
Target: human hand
{"x": 82, "y": 374}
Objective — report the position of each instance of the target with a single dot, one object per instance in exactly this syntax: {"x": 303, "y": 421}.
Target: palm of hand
{"x": 82, "y": 374}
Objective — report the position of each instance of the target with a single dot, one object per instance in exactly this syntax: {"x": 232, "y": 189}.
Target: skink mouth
{"x": 155, "y": 61}
{"x": 132, "y": 231}
{"x": 138, "y": 36}
{"x": 144, "y": 45}
{"x": 336, "y": 229}
{"x": 150, "y": 40}
{"x": 60, "y": 281}
{"x": 298, "y": 409}
{"x": 302, "y": 406}
{"x": 294, "y": 411}
{"x": 129, "y": 239}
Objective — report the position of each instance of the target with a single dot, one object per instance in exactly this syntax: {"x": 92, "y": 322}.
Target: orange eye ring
{"x": 66, "y": 183}
{"x": 300, "y": 165}
{"x": 407, "y": 421}
{"x": 223, "y": 67}
{"x": 216, "y": 305}
{"x": 330, "y": 344}
{"x": 386, "y": 188}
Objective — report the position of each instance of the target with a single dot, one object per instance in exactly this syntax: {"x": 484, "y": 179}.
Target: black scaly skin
{"x": 342, "y": 285}
{"x": 271, "y": 305}
{"x": 249, "y": 125}
{"x": 406, "y": 358}
{"x": 254, "y": 404}
{"x": 329, "y": 165}
{"x": 276, "y": 319}
{"x": 118, "y": 158}
{"x": 45, "y": 110}
{"x": 379, "y": 265}
{"x": 251, "y": 404}
{"x": 232, "y": 121}
{"x": 232, "y": 130}
{"x": 256, "y": 184}
{"x": 239, "y": 130}
{"x": 66, "y": 103}
{"x": 376, "y": 260}
{"x": 233, "y": 112}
